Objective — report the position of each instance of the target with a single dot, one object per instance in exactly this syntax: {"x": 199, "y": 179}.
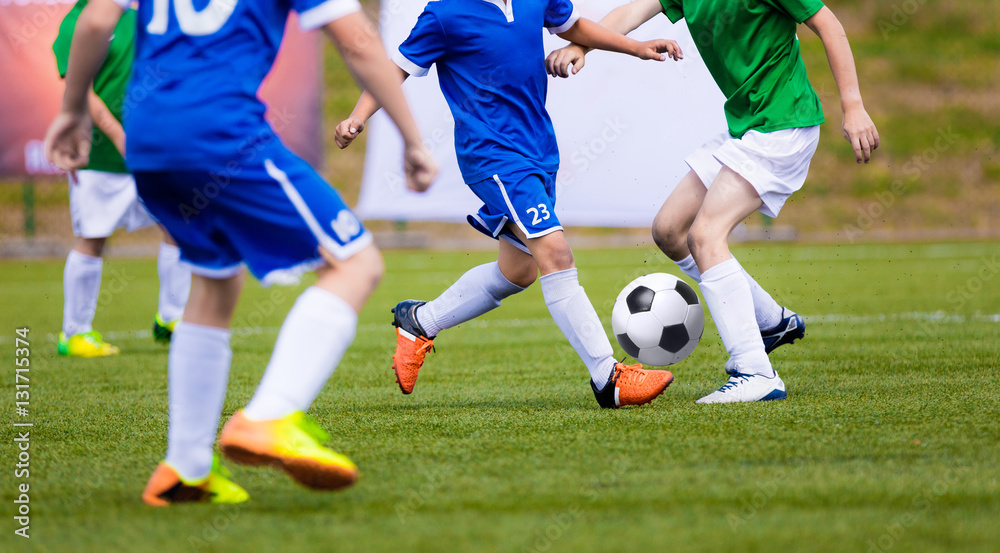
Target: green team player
{"x": 751, "y": 49}
{"x": 102, "y": 198}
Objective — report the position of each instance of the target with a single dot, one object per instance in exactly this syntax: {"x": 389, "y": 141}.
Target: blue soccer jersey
{"x": 192, "y": 102}
{"x": 491, "y": 67}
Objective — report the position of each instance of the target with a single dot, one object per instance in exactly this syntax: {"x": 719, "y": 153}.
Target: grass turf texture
{"x": 888, "y": 441}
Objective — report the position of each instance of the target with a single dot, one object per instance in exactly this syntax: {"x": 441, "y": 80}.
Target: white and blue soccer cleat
{"x": 744, "y": 388}
{"x": 791, "y": 328}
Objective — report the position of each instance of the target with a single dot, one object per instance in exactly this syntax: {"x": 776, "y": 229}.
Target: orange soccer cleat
{"x": 412, "y": 344}
{"x": 631, "y": 385}
{"x": 293, "y": 444}
{"x": 166, "y": 487}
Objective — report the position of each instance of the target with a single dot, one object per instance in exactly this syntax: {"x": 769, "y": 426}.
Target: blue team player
{"x": 210, "y": 168}
{"x": 490, "y": 60}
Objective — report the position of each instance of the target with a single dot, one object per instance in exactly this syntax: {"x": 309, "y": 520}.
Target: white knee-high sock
{"x": 175, "y": 282}
{"x": 81, "y": 288}
{"x": 478, "y": 291}
{"x": 312, "y": 340}
{"x": 766, "y": 310}
{"x": 198, "y": 365}
{"x": 727, "y": 294}
{"x": 575, "y": 315}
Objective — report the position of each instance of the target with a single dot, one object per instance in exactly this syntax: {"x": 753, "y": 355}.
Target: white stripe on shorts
{"x": 517, "y": 220}
{"x": 325, "y": 240}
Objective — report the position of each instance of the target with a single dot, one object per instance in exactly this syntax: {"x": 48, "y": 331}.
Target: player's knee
{"x": 670, "y": 239}
{"x": 698, "y": 239}
{"x": 523, "y": 276}
{"x": 557, "y": 257}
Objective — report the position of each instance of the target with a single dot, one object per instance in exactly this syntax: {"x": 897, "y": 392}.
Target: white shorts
{"x": 100, "y": 202}
{"x": 775, "y": 163}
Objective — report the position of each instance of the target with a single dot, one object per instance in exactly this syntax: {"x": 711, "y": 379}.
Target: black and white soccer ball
{"x": 658, "y": 319}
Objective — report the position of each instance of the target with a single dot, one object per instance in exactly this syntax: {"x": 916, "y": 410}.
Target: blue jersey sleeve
{"x": 426, "y": 44}
{"x": 313, "y": 14}
{"x": 560, "y": 15}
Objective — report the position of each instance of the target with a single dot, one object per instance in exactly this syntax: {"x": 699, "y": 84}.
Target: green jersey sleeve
{"x": 673, "y": 10}
{"x": 799, "y": 10}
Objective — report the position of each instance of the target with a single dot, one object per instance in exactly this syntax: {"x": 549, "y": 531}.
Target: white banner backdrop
{"x": 623, "y": 125}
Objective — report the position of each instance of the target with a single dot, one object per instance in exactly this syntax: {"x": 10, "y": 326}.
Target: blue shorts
{"x": 525, "y": 197}
{"x": 270, "y": 214}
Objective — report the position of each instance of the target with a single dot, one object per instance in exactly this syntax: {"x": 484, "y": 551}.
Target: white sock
{"x": 175, "y": 282}
{"x": 766, "y": 310}
{"x": 312, "y": 340}
{"x": 198, "y": 364}
{"x": 478, "y": 291}
{"x": 574, "y": 314}
{"x": 81, "y": 288}
{"x": 690, "y": 268}
{"x": 728, "y": 297}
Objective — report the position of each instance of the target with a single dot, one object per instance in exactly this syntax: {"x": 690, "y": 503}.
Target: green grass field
{"x": 888, "y": 442}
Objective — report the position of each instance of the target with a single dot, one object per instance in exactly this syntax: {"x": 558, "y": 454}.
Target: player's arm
{"x": 67, "y": 143}
{"x": 587, "y": 33}
{"x": 106, "y": 121}
{"x": 623, "y": 20}
{"x": 858, "y": 127}
{"x": 350, "y": 128}
{"x": 359, "y": 44}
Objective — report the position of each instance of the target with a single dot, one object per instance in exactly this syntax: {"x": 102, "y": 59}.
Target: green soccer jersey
{"x": 752, "y": 52}
{"x": 110, "y": 83}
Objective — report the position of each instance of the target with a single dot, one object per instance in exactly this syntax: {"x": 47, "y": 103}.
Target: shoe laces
{"x": 735, "y": 379}
{"x": 631, "y": 374}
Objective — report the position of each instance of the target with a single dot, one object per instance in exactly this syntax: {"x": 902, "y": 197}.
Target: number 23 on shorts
{"x": 539, "y": 214}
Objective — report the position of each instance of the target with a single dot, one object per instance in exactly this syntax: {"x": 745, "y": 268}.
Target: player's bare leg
{"x": 674, "y": 219}
{"x": 778, "y": 325}
{"x": 614, "y": 384}
{"x": 730, "y": 200}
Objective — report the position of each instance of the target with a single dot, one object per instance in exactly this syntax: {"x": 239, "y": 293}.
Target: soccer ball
{"x": 658, "y": 319}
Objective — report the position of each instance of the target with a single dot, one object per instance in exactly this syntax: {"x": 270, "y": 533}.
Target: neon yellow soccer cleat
{"x": 163, "y": 330}
{"x": 85, "y": 344}
{"x": 166, "y": 487}
{"x": 293, "y": 444}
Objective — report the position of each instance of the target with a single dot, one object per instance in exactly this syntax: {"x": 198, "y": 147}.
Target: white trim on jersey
{"x": 517, "y": 220}
{"x": 328, "y": 11}
{"x": 570, "y": 21}
{"x": 506, "y": 7}
{"x": 325, "y": 240}
{"x": 411, "y": 68}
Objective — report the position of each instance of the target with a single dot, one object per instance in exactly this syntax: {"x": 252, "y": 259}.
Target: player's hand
{"x": 860, "y": 131}
{"x": 420, "y": 166}
{"x": 347, "y": 131}
{"x": 67, "y": 143}
{"x": 654, "y": 50}
{"x": 566, "y": 61}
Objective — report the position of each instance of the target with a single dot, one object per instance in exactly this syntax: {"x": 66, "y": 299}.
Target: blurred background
{"x": 929, "y": 73}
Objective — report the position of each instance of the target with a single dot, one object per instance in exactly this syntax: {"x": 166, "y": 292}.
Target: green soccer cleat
{"x": 163, "y": 330}
{"x": 85, "y": 344}
{"x": 166, "y": 487}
